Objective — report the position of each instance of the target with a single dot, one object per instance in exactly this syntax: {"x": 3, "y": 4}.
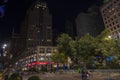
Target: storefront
{"x": 41, "y": 66}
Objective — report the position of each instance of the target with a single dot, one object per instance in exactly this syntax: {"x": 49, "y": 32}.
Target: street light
{"x": 4, "y": 47}
{"x": 3, "y": 56}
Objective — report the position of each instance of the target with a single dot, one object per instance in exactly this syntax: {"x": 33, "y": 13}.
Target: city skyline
{"x": 61, "y": 10}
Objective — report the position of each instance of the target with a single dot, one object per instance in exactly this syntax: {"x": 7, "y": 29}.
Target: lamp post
{"x": 4, "y": 51}
{"x": 4, "y": 55}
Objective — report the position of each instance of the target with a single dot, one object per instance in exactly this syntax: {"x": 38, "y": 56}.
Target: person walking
{"x": 85, "y": 74}
{"x": 6, "y": 76}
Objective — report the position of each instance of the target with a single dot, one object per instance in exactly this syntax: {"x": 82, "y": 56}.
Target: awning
{"x": 39, "y": 63}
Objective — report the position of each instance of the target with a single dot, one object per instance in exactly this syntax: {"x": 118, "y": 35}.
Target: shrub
{"x": 14, "y": 76}
{"x": 34, "y": 78}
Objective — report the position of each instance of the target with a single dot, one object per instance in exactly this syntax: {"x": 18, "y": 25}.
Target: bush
{"x": 34, "y": 78}
{"x": 14, "y": 76}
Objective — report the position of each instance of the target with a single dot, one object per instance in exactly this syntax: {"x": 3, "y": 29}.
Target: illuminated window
{"x": 48, "y": 54}
{"x": 31, "y": 60}
{"x": 49, "y": 50}
{"x": 48, "y": 40}
{"x": 113, "y": 9}
{"x": 42, "y": 50}
{"x": 34, "y": 59}
{"x": 41, "y": 59}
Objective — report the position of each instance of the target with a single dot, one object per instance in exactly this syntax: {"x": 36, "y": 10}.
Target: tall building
{"x": 89, "y": 22}
{"x": 37, "y": 26}
{"x": 111, "y": 17}
{"x": 15, "y": 48}
{"x": 36, "y": 30}
{"x": 70, "y": 27}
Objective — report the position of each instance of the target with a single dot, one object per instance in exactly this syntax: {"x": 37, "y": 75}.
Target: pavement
{"x": 75, "y": 76}
{"x": 56, "y": 76}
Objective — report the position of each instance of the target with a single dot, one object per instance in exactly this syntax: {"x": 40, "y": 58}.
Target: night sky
{"x": 61, "y": 10}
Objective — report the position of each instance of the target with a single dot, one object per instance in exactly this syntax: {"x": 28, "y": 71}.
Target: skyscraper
{"x": 70, "y": 27}
{"x": 89, "y": 22}
{"x": 36, "y": 30}
{"x": 37, "y": 26}
{"x": 111, "y": 17}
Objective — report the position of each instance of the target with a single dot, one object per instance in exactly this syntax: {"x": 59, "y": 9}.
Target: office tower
{"x": 70, "y": 28}
{"x": 15, "y": 48}
{"x": 37, "y": 26}
{"x": 89, "y": 22}
{"x": 35, "y": 30}
{"x": 36, "y": 34}
{"x": 111, "y": 17}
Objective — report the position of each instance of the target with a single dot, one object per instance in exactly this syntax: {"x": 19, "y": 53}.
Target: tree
{"x": 64, "y": 45}
{"x": 88, "y": 49}
{"x": 59, "y": 58}
{"x": 105, "y": 47}
{"x": 84, "y": 49}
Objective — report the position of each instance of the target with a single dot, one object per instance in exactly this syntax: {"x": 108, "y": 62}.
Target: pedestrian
{"x": 6, "y": 76}
{"x": 85, "y": 74}
{"x": 21, "y": 75}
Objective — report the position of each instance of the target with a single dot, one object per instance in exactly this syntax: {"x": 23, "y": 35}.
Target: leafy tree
{"x": 14, "y": 76}
{"x": 87, "y": 49}
{"x": 84, "y": 49}
{"x": 105, "y": 47}
{"x": 64, "y": 45}
{"x": 59, "y": 58}
{"x": 117, "y": 45}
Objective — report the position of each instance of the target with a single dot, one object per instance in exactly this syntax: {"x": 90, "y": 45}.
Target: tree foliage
{"x": 64, "y": 44}
{"x": 87, "y": 49}
{"x": 59, "y": 58}
{"x": 105, "y": 46}
{"x": 84, "y": 49}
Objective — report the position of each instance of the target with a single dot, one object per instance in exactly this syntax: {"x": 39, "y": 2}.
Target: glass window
{"x": 111, "y": 18}
{"x": 113, "y": 23}
{"x": 41, "y": 59}
{"x": 48, "y": 50}
{"x": 34, "y": 59}
{"x": 110, "y": 24}
{"x": 42, "y": 50}
{"x": 119, "y": 14}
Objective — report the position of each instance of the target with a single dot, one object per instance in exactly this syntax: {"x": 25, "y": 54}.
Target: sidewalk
{"x": 96, "y": 75}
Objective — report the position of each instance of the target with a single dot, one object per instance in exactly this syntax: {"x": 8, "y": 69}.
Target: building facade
{"x": 36, "y": 57}
{"x": 111, "y": 17}
{"x": 89, "y": 22}
{"x": 36, "y": 30}
{"x": 37, "y": 26}
{"x": 70, "y": 27}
